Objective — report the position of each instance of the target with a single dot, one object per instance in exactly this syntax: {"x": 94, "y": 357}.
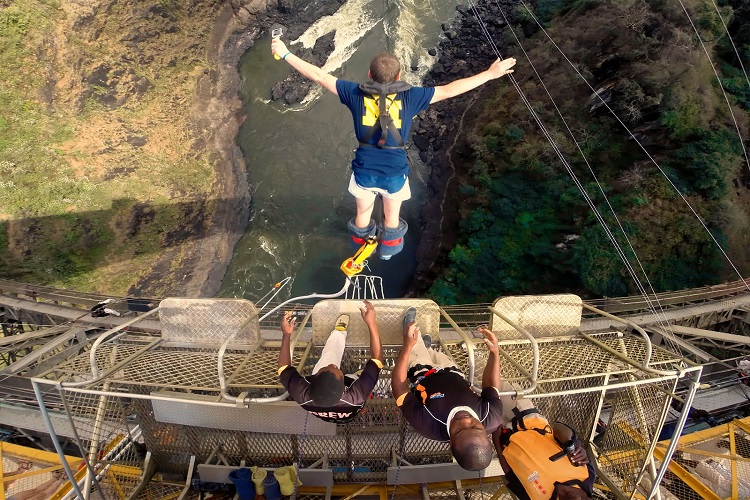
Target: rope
{"x": 734, "y": 47}
{"x": 635, "y": 139}
{"x": 662, "y": 319}
{"x": 580, "y": 187}
{"x": 561, "y": 156}
{"x": 716, "y": 73}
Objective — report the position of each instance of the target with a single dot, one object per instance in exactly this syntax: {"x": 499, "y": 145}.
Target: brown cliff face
{"x": 129, "y": 177}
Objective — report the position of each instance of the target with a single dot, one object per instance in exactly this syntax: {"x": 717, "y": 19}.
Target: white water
{"x": 298, "y": 161}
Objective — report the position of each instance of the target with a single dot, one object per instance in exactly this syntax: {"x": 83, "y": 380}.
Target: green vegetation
{"x": 525, "y": 225}
{"x": 96, "y": 161}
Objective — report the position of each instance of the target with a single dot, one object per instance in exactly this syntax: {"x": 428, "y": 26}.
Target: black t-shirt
{"x": 352, "y": 401}
{"x": 427, "y": 407}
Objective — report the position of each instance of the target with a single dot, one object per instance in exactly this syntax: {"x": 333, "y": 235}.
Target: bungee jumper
{"x": 383, "y": 109}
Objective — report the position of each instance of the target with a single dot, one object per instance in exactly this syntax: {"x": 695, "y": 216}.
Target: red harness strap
{"x": 392, "y": 243}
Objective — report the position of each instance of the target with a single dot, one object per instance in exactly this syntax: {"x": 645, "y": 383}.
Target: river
{"x": 299, "y": 157}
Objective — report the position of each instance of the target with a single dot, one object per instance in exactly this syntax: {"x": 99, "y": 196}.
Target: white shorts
{"x": 369, "y": 194}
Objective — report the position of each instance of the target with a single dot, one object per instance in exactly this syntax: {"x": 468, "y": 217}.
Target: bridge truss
{"x": 139, "y": 403}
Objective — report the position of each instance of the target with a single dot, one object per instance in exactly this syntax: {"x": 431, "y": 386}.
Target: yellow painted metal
{"x": 32, "y": 473}
{"x": 116, "y": 484}
{"x": 32, "y": 454}
{"x": 126, "y": 471}
{"x": 604, "y": 487}
{"x": 710, "y": 454}
{"x": 500, "y": 492}
{"x": 679, "y": 471}
{"x": 743, "y": 424}
{"x": 354, "y": 265}
{"x": 2, "y": 476}
{"x": 631, "y": 432}
{"x": 35, "y": 456}
{"x": 733, "y": 451}
{"x": 687, "y": 443}
{"x": 62, "y": 492}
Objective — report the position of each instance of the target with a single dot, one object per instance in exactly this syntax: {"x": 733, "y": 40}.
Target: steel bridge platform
{"x": 203, "y": 394}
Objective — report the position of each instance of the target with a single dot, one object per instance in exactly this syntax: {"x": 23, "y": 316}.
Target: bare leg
{"x": 391, "y": 208}
{"x": 364, "y": 212}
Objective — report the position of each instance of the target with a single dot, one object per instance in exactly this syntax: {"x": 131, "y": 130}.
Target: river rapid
{"x": 298, "y": 157}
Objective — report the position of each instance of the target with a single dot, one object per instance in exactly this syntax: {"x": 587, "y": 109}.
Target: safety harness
{"x": 383, "y": 93}
{"x": 534, "y": 455}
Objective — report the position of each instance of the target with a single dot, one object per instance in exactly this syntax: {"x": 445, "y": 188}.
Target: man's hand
{"x": 368, "y": 313}
{"x": 287, "y": 323}
{"x": 489, "y": 339}
{"x": 278, "y": 47}
{"x": 411, "y": 335}
{"x": 500, "y": 68}
{"x": 580, "y": 457}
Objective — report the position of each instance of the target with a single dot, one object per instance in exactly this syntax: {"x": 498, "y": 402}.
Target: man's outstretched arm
{"x": 499, "y": 68}
{"x": 398, "y": 377}
{"x": 308, "y": 70}
{"x": 368, "y": 315}
{"x": 287, "y": 327}
{"x": 491, "y": 375}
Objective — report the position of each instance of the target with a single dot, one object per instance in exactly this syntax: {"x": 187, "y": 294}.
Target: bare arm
{"x": 491, "y": 375}
{"x": 368, "y": 314}
{"x": 287, "y": 327}
{"x": 458, "y": 87}
{"x": 398, "y": 378}
{"x": 308, "y": 70}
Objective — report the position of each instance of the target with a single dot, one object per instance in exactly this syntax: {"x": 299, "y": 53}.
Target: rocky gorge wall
{"x": 149, "y": 97}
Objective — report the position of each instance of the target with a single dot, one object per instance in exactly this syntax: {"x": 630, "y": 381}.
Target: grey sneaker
{"x": 427, "y": 341}
{"x": 410, "y": 316}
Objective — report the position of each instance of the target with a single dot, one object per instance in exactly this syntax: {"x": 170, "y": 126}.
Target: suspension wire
{"x": 718, "y": 79}
{"x": 275, "y": 289}
{"x": 632, "y": 136}
{"x": 564, "y": 161}
{"x": 662, "y": 318}
{"x": 734, "y": 47}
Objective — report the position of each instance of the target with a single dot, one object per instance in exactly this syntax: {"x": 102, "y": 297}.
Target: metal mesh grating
{"x": 178, "y": 368}
{"x": 634, "y": 347}
{"x": 419, "y": 450}
{"x": 108, "y": 438}
{"x": 390, "y": 315}
{"x": 209, "y": 320}
{"x": 260, "y": 369}
{"x": 634, "y": 425}
{"x": 108, "y": 355}
{"x": 540, "y": 315}
{"x": 361, "y": 451}
{"x": 158, "y": 490}
{"x": 707, "y": 457}
{"x": 22, "y": 475}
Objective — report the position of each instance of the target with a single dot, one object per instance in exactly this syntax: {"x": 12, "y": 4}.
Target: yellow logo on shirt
{"x": 372, "y": 111}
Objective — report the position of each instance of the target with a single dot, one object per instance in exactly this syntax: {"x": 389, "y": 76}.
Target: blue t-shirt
{"x": 371, "y": 160}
